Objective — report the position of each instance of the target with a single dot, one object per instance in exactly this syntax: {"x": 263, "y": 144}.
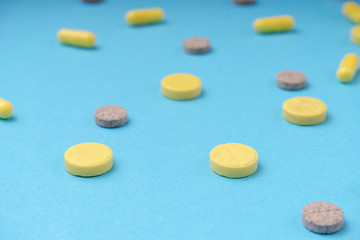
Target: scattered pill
{"x": 110, "y": 116}
{"x": 144, "y": 16}
{"x": 77, "y": 38}
{"x": 291, "y": 80}
{"x": 244, "y": 1}
{"x": 323, "y": 217}
{"x": 304, "y": 110}
{"x": 181, "y": 86}
{"x": 233, "y": 160}
{"x": 355, "y": 34}
{"x": 196, "y": 45}
{"x": 88, "y": 159}
{"x": 352, "y": 11}
{"x": 274, "y": 24}
{"x": 6, "y": 109}
{"x": 348, "y": 67}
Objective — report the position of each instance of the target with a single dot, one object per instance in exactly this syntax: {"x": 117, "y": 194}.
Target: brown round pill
{"x": 244, "y": 1}
{"x": 291, "y": 80}
{"x": 110, "y": 116}
{"x": 196, "y": 45}
{"x": 91, "y": 1}
{"x": 323, "y": 217}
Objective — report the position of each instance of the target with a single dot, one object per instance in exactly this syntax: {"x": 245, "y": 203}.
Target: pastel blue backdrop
{"x": 161, "y": 185}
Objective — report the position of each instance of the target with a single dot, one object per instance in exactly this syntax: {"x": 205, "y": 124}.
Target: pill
{"x": 110, "y": 116}
{"x": 244, "y": 1}
{"x": 352, "y": 11}
{"x": 88, "y": 159}
{"x": 6, "y": 109}
{"x": 274, "y": 24}
{"x": 91, "y": 1}
{"x": 304, "y": 110}
{"x": 355, "y": 34}
{"x": 77, "y": 38}
{"x": 196, "y": 45}
{"x": 323, "y": 217}
{"x": 144, "y": 16}
{"x": 233, "y": 160}
{"x": 181, "y": 86}
{"x": 291, "y": 80}
{"x": 348, "y": 67}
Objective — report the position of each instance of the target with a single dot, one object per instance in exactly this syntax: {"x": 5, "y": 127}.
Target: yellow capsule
{"x": 6, "y": 109}
{"x": 274, "y": 24}
{"x": 355, "y": 34}
{"x": 144, "y": 16}
{"x": 348, "y": 67}
{"x": 77, "y": 38}
{"x": 352, "y": 11}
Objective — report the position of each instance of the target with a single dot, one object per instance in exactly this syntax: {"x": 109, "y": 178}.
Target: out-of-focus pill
{"x": 144, "y": 16}
{"x": 274, "y": 24}
{"x": 6, "y": 109}
{"x": 348, "y": 67}
{"x": 77, "y": 38}
{"x": 352, "y": 11}
{"x": 355, "y": 34}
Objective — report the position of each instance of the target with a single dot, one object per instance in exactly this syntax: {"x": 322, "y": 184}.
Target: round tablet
{"x": 196, "y": 45}
{"x": 181, "y": 86}
{"x": 244, "y": 1}
{"x": 233, "y": 160}
{"x": 291, "y": 80}
{"x": 91, "y": 1}
{"x": 88, "y": 159}
{"x": 110, "y": 116}
{"x": 304, "y": 110}
{"x": 323, "y": 217}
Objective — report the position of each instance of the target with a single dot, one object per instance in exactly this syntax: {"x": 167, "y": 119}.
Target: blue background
{"x": 161, "y": 185}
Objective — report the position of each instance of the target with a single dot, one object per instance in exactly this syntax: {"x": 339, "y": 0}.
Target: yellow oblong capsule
{"x": 6, "y": 109}
{"x": 282, "y": 23}
{"x": 348, "y": 67}
{"x": 144, "y": 16}
{"x": 352, "y": 11}
{"x": 355, "y": 34}
{"x": 77, "y": 38}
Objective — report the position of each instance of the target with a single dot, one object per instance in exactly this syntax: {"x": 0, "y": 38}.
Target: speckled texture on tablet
{"x": 197, "y": 45}
{"x": 291, "y": 80}
{"x": 323, "y": 217}
{"x": 110, "y": 116}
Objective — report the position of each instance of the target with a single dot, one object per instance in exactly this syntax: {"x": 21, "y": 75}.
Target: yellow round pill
{"x": 304, "y": 110}
{"x": 6, "y": 109}
{"x": 181, "y": 86}
{"x": 233, "y": 160}
{"x": 88, "y": 159}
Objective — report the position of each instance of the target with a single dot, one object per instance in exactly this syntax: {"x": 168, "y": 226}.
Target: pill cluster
{"x": 232, "y": 160}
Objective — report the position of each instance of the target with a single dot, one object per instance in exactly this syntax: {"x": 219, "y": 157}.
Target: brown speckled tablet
{"x": 110, "y": 116}
{"x": 291, "y": 80}
{"x": 244, "y": 1}
{"x": 196, "y": 45}
{"x": 323, "y": 217}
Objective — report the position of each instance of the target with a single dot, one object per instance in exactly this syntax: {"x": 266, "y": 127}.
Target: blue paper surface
{"x": 161, "y": 185}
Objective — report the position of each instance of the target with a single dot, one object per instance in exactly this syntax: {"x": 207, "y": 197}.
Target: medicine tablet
{"x": 233, "y": 160}
{"x": 290, "y": 80}
{"x": 197, "y": 45}
{"x": 351, "y": 10}
{"x": 355, "y": 34}
{"x": 144, "y": 16}
{"x": 323, "y": 217}
{"x": 77, "y": 38}
{"x": 91, "y": 1}
{"x": 110, "y": 116}
{"x": 274, "y": 24}
{"x": 88, "y": 159}
{"x": 304, "y": 110}
{"x": 6, "y": 109}
{"x": 181, "y": 86}
{"x": 348, "y": 67}
{"x": 244, "y": 1}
